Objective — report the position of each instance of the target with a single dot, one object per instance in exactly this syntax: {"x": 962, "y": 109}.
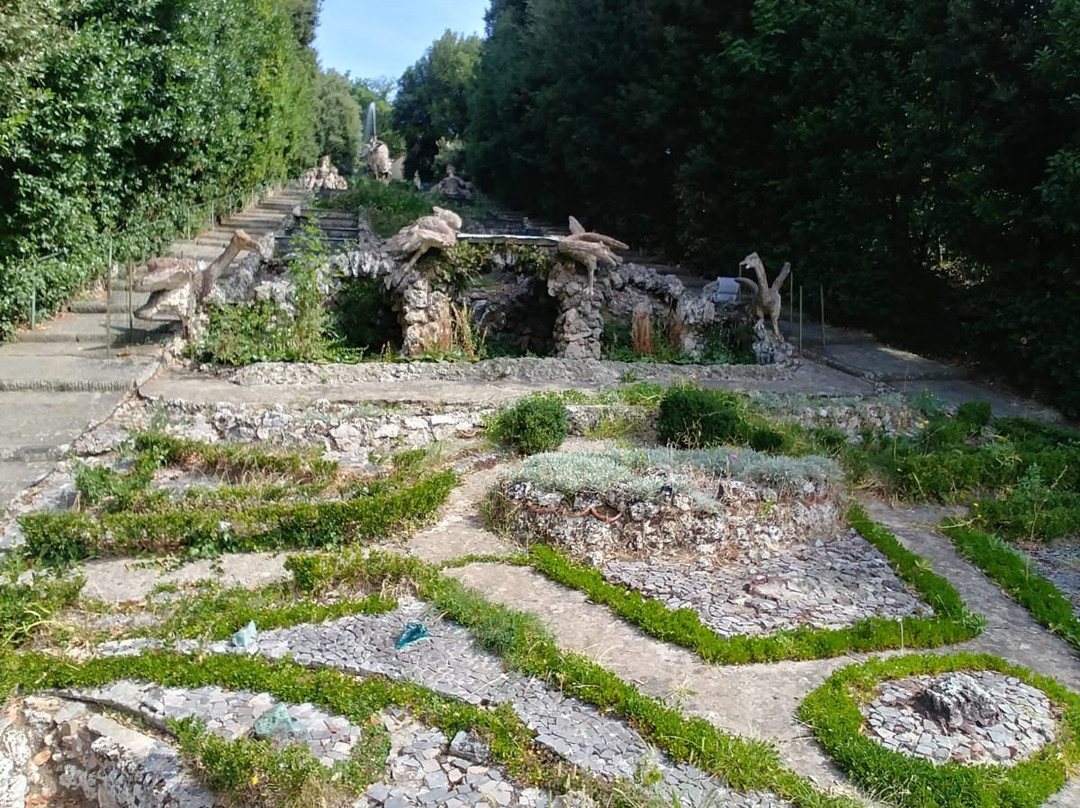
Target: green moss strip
{"x": 952, "y": 622}
{"x": 234, "y": 460}
{"x": 833, "y": 711}
{"x": 58, "y": 538}
{"x": 524, "y": 645}
{"x": 1010, "y": 570}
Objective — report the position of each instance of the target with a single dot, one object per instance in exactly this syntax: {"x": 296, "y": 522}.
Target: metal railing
{"x": 134, "y": 244}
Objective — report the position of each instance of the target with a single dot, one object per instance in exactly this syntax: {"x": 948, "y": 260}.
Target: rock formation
{"x": 179, "y": 286}
{"x": 376, "y": 156}
{"x": 452, "y": 186}
{"x": 767, "y": 301}
{"x": 325, "y": 176}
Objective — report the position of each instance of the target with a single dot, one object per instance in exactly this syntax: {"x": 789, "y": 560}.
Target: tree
{"x": 338, "y": 123}
{"x": 431, "y": 102}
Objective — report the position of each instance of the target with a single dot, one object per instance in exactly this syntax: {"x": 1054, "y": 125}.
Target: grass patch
{"x": 1011, "y": 570}
{"x": 232, "y": 767}
{"x": 833, "y": 712}
{"x": 311, "y": 504}
{"x": 952, "y": 622}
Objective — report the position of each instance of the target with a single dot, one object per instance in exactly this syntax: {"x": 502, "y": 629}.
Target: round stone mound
{"x": 972, "y": 718}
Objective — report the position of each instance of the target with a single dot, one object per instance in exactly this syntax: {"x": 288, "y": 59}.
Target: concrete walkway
{"x": 71, "y": 372}
{"x": 859, "y": 355}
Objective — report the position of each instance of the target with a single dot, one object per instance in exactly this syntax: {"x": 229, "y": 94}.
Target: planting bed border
{"x": 523, "y": 644}
{"x": 833, "y": 712}
{"x": 952, "y": 622}
{"x": 1010, "y": 570}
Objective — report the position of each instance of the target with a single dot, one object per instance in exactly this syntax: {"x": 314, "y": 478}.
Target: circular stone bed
{"x": 975, "y": 718}
{"x": 948, "y": 703}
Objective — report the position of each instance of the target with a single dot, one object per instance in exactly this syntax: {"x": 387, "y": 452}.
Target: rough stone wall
{"x": 56, "y": 748}
{"x": 579, "y": 325}
{"x": 597, "y": 526}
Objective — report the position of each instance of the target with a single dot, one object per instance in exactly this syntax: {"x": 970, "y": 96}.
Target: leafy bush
{"x": 535, "y": 424}
{"x": 26, "y": 602}
{"x": 976, "y": 414}
{"x": 363, "y": 317}
{"x": 388, "y": 207}
{"x": 692, "y": 418}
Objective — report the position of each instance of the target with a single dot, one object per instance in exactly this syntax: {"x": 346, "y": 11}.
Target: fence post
{"x": 33, "y": 297}
{"x": 130, "y": 299}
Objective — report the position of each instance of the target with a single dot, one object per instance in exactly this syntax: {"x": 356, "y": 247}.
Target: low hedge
{"x": 60, "y": 538}
{"x": 906, "y": 782}
{"x": 952, "y": 622}
{"x": 1011, "y": 570}
{"x": 526, "y": 646}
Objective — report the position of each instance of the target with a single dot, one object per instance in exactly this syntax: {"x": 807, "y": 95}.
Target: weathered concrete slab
{"x": 17, "y": 476}
{"x": 41, "y": 424}
{"x": 882, "y": 363}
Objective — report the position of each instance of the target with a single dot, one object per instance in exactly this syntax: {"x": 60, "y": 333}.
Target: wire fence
{"x": 132, "y": 245}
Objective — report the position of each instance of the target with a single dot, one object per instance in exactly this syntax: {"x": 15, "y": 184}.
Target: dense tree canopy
{"x": 918, "y": 160}
{"x": 339, "y": 125}
{"x": 113, "y": 114}
{"x": 431, "y": 102}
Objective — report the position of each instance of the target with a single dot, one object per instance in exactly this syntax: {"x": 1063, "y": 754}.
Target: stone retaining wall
{"x": 599, "y": 526}
{"x": 56, "y": 748}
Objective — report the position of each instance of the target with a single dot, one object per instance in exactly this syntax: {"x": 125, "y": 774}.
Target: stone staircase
{"x": 71, "y": 371}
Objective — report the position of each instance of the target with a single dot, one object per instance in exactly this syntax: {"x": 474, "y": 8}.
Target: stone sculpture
{"x": 453, "y": 186}
{"x": 179, "y": 286}
{"x": 325, "y": 176}
{"x": 426, "y": 233}
{"x": 767, "y": 302}
{"x": 376, "y": 156}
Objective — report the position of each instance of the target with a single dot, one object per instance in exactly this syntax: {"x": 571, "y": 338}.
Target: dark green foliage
{"x": 430, "y": 105}
{"x": 692, "y": 418}
{"x": 1012, "y": 572}
{"x": 122, "y": 124}
{"x": 975, "y": 414}
{"x": 363, "y": 317}
{"x": 1025, "y": 475}
{"x": 952, "y": 622}
{"x": 833, "y": 712}
{"x": 338, "y": 121}
{"x": 388, "y": 207}
{"x": 535, "y": 424}
{"x": 937, "y": 142}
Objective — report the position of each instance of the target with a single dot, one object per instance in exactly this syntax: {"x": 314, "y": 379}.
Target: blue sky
{"x": 371, "y": 38}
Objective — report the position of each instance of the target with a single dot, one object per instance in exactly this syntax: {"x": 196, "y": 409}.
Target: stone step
{"x": 117, "y": 304}
{"x": 191, "y": 249}
{"x": 90, "y": 329}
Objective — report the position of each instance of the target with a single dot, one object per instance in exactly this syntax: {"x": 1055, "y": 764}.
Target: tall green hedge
{"x": 920, "y": 161}
{"x": 113, "y": 115}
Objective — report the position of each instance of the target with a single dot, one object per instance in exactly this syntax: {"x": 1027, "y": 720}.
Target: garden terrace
{"x": 242, "y": 499}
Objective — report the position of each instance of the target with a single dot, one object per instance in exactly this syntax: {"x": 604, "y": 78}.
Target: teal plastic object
{"x": 245, "y": 637}
{"x": 275, "y": 721}
{"x": 412, "y": 633}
